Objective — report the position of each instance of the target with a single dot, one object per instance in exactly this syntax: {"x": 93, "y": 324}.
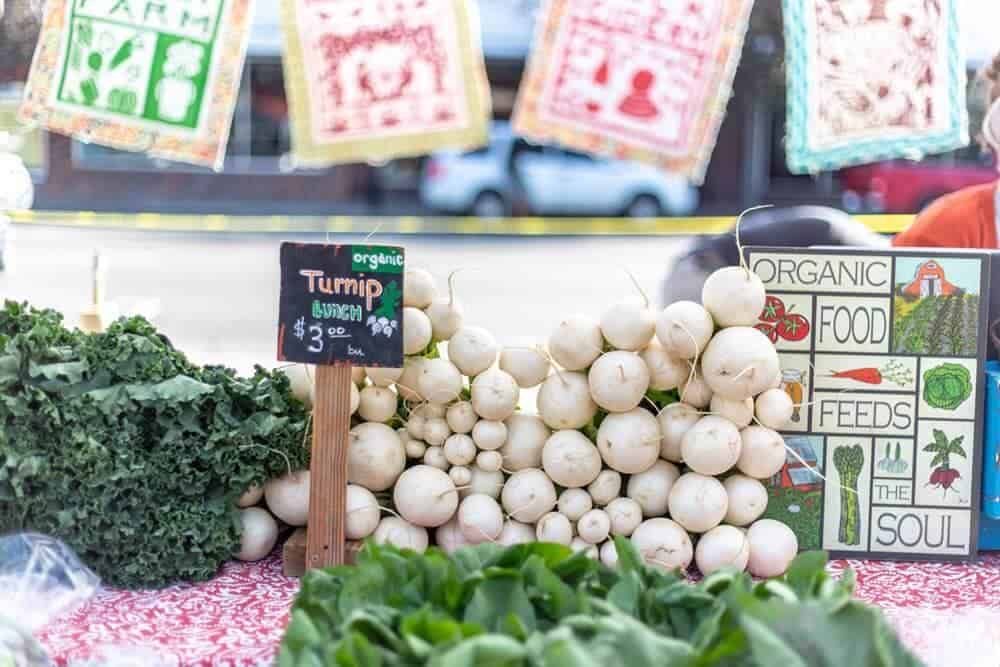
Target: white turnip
{"x": 259, "y": 534}
{"x": 434, "y": 457}
{"x": 439, "y": 381}
{"x": 484, "y": 481}
{"x": 774, "y": 409}
{"x": 625, "y": 515}
{"x": 251, "y": 496}
{"x": 574, "y": 503}
{"x": 515, "y": 532}
{"x": 461, "y": 475}
{"x": 445, "y": 313}
{"x": 698, "y": 502}
{"x": 528, "y": 495}
{"x": 576, "y": 343}
{"x": 418, "y": 288}
{"x": 629, "y": 442}
{"x": 473, "y": 350}
{"x": 401, "y": 534}
{"x": 375, "y": 456}
{"x": 740, "y": 413}
{"x": 355, "y": 398}
{"x": 651, "y": 488}
{"x": 712, "y": 446}
{"x": 570, "y": 459}
{"x": 436, "y": 431}
{"x": 734, "y": 296}
{"x": 415, "y": 426}
{"x": 695, "y": 391}
{"x": 739, "y": 363}
{"x": 747, "y": 500}
{"x": 490, "y": 461}
{"x": 675, "y": 420}
{"x": 722, "y": 547}
{"x": 430, "y": 410}
{"x": 684, "y": 329}
{"x": 425, "y": 496}
{"x": 605, "y": 488}
{"x": 495, "y": 394}
{"x": 449, "y": 536}
{"x": 564, "y": 401}
{"x": 618, "y": 381}
{"x": 594, "y": 526}
{"x": 407, "y": 383}
{"x": 526, "y": 436}
{"x": 763, "y": 452}
{"x": 459, "y": 449}
{"x": 628, "y": 325}
{"x": 480, "y": 518}
{"x": 609, "y": 554}
{"x": 378, "y": 404}
{"x": 288, "y": 497}
{"x": 384, "y": 377}
{"x": 358, "y": 375}
{"x": 302, "y": 378}
{"x": 665, "y": 372}
{"x": 580, "y": 545}
{"x": 489, "y": 435}
{"x": 461, "y": 417}
{"x": 556, "y": 528}
{"x": 363, "y": 513}
{"x": 773, "y": 546}
{"x": 663, "y": 544}
{"x": 417, "y": 331}
{"x": 528, "y": 366}
{"x": 415, "y": 449}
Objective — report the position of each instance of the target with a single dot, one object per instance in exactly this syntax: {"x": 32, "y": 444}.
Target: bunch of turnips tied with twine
{"x": 654, "y": 426}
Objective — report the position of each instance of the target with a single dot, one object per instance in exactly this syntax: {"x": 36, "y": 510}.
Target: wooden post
{"x": 325, "y": 539}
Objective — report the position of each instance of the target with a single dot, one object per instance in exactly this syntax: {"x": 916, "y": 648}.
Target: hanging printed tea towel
{"x": 141, "y": 75}
{"x": 872, "y": 80}
{"x": 375, "y": 79}
{"x": 641, "y": 79}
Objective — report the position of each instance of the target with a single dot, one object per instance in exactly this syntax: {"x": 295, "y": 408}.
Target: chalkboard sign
{"x": 341, "y": 303}
{"x": 883, "y": 352}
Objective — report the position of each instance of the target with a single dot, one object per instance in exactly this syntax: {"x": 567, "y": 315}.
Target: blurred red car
{"x": 903, "y": 186}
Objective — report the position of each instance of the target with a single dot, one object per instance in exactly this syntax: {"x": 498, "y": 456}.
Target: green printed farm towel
{"x": 376, "y": 80}
{"x": 141, "y": 75}
{"x": 872, "y": 80}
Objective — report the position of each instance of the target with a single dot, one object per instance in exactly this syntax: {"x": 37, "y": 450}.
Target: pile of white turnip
{"x": 441, "y": 451}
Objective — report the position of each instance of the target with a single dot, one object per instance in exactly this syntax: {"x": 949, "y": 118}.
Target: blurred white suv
{"x": 549, "y": 181}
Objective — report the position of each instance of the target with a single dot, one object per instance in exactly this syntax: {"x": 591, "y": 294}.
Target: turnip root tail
{"x": 370, "y": 234}
{"x": 451, "y": 286}
{"x": 388, "y": 510}
{"x": 288, "y": 463}
{"x": 638, "y": 287}
{"x": 739, "y": 245}
{"x": 555, "y": 366}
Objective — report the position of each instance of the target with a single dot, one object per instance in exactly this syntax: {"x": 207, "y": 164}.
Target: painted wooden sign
{"x": 141, "y": 75}
{"x": 883, "y": 352}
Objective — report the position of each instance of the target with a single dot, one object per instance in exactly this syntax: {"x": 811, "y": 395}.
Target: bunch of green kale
{"x": 541, "y": 605}
{"x": 118, "y": 445}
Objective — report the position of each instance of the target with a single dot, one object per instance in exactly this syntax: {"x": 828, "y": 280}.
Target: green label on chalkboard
{"x": 377, "y": 259}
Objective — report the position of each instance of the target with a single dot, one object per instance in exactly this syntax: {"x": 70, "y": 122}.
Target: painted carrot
{"x": 866, "y": 375}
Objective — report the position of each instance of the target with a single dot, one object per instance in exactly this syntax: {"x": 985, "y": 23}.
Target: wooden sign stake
{"x": 325, "y": 539}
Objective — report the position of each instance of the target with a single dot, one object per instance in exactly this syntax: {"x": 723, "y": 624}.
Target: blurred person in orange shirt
{"x": 969, "y": 217}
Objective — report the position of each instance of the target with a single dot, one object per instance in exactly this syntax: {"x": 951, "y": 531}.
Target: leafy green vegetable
{"x": 947, "y": 386}
{"x": 118, "y": 445}
{"x": 543, "y": 605}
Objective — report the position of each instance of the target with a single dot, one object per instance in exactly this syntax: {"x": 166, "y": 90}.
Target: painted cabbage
{"x": 947, "y": 386}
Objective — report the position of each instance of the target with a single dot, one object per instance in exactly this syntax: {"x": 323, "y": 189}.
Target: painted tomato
{"x": 793, "y": 327}
{"x": 774, "y": 310}
{"x": 767, "y": 330}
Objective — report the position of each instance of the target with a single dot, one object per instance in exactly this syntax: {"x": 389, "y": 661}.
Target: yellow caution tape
{"x": 884, "y": 224}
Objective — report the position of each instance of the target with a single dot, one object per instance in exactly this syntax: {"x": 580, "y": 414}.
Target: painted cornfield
{"x": 942, "y": 325}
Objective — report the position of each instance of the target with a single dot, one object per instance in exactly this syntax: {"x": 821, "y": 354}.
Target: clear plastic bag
{"x": 41, "y": 579}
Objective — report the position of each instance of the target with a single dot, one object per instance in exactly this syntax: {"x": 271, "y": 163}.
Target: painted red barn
{"x": 929, "y": 281}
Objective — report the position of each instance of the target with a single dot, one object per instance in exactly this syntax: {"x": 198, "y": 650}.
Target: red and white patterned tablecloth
{"x": 949, "y": 614}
